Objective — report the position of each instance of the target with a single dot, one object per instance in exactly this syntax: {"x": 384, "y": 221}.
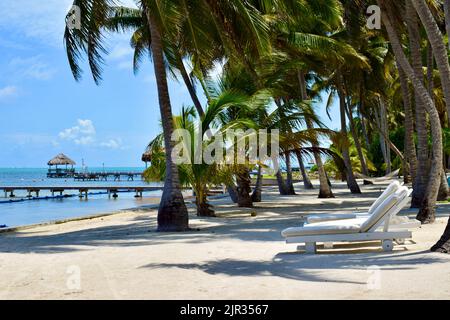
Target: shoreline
{"x": 188, "y": 199}
{"x": 233, "y": 256}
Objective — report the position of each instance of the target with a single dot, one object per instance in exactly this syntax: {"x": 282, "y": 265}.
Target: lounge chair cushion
{"x": 394, "y": 186}
{"x": 330, "y": 217}
{"x": 329, "y": 227}
{"x": 383, "y": 208}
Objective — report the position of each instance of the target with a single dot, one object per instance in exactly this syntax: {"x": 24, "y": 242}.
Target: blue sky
{"x": 44, "y": 111}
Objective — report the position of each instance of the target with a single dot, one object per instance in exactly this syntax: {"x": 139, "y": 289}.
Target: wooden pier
{"x": 103, "y": 176}
{"x": 83, "y": 191}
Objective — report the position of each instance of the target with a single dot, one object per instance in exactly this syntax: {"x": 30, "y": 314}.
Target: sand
{"x": 235, "y": 256}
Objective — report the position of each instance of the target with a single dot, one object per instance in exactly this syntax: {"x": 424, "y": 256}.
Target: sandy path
{"x": 233, "y": 257}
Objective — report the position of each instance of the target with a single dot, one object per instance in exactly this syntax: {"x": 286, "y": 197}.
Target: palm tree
{"x": 426, "y": 213}
{"x": 172, "y": 211}
{"x": 437, "y": 43}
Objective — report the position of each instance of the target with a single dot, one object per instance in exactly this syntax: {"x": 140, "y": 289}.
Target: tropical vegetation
{"x": 390, "y": 85}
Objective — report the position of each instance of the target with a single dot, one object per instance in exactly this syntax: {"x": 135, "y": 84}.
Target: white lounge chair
{"x": 396, "y": 222}
{"x": 357, "y": 229}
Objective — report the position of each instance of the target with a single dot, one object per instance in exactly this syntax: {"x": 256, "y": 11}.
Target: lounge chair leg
{"x": 310, "y": 247}
{"x": 328, "y": 245}
{"x": 388, "y": 245}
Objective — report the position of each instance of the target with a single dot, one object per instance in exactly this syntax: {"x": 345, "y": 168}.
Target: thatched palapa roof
{"x": 61, "y": 159}
{"x": 147, "y": 156}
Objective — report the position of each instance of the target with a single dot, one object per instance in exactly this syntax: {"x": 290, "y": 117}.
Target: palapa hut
{"x": 147, "y": 157}
{"x": 61, "y": 160}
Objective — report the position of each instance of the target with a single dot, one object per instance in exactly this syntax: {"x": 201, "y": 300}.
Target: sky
{"x": 44, "y": 111}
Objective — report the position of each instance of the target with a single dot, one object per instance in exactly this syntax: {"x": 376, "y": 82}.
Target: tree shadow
{"x": 312, "y": 268}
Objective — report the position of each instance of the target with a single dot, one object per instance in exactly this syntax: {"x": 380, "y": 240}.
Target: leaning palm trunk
{"x": 190, "y": 87}
{"x": 351, "y": 181}
{"x": 426, "y": 213}
{"x": 289, "y": 179}
{"x": 385, "y": 132}
{"x": 306, "y": 181}
{"x": 204, "y": 209}
{"x": 443, "y": 188}
{"x": 357, "y": 142}
{"x": 281, "y": 184}
{"x": 437, "y": 43}
{"x": 447, "y": 18}
{"x": 421, "y": 118}
{"x": 257, "y": 192}
{"x": 325, "y": 186}
{"x": 232, "y": 191}
{"x": 410, "y": 146}
{"x": 172, "y": 212}
{"x": 244, "y": 188}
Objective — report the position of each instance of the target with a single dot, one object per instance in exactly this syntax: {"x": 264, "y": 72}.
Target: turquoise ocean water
{"x": 20, "y": 213}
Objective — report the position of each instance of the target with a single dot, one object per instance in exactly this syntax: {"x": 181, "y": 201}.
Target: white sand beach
{"x": 235, "y": 256}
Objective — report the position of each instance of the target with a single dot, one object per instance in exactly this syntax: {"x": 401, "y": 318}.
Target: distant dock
{"x": 83, "y": 191}
{"x": 103, "y": 176}
{"x": 93, "y": 176}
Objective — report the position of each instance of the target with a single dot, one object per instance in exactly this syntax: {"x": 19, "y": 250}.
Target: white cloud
{"x": 32, "y": 68}
{"x": 43, "y": 20}
{"x": 85, "y": 134}
{"x": 125, "y": 65}
{"x": 8, "y": 91}
{"x": 120, "y": 51}
{"x": 38, "y": 19}
{"x": 81, "y": 134}
{"x": 84, "y": 141}
{"x": 112, "y": 144}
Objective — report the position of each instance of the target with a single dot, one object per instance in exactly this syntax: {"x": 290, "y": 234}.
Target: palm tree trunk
{"x": 257, "y": 192}
{"x": 172, "y": 212}
{"x": 447, "y": 18}
{"x": 289, "y": 179}
{"x": 232, "y": 191}
{"x": 306, "y": 181}
{"x": 201, "y": 201}
{"x": 410, "y": 146}
{"x": 443, "y": 245}
{"x": 351, "y": 181}
{"x": 430, "y": 69}
{"x": 281, "y": 184}
{"x": 444, "y": 191}
{"x": 381, "y": 134}
{"x": 190, "y": 87}
{"x": 385, "y": 132}
{"x": 244, "y": 188}
{"x": 325, "y": 188}
{"x": 363, "y": 122}
{"x": 421, "y": 117}
{"x": 356, "y": 139}
{"x": 426, "y": 212}
{"x": 439, "y": 49}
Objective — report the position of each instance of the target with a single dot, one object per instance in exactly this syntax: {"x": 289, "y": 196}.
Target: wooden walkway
{"x": 103, "y": 176}
{"x": 9, "y": 191}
